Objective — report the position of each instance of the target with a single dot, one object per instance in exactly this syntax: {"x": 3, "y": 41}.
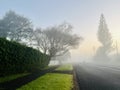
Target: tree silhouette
{"x": 104, "y": 36}
{"x": 56, "y": 40}
{"x": 15, "y": 27}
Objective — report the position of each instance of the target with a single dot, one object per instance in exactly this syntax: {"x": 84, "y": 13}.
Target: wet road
{"x": 97, "y": 77}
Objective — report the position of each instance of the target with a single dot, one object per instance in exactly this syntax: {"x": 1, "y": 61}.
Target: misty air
{"x": 59, "y": 45}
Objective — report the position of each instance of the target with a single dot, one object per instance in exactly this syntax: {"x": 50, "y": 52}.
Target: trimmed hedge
{"x": 15, "y": 58}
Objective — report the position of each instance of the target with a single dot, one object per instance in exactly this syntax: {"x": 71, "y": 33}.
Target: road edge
{"x": 75, "y": 82}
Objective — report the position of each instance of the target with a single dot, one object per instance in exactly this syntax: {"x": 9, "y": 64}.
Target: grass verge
{"x": 50, "y": 81}
{"x": 12, "y": 77}
{"x": 65, "y": 67}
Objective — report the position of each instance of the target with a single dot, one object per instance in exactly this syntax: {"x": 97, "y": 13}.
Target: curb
{"x": 75, "y": 82}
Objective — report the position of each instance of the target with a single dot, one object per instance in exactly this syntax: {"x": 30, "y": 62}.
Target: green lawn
{"x": 11, "y": 77}
{"x": 65, "y": 67}
{"x": 50, "y": 81}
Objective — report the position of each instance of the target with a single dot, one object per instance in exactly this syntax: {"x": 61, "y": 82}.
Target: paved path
{"x": 97, "y": 77}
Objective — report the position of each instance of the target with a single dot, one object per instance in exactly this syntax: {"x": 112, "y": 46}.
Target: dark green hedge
{"x": 15, "y": 58}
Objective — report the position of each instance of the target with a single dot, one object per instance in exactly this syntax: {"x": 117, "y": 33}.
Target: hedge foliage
{"x": 15, "y": 58}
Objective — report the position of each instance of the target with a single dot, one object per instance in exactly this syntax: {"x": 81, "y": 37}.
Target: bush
{"x": 15, "y": 58}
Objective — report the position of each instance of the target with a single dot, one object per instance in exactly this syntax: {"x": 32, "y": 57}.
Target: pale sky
{"x": 82, "y": 14}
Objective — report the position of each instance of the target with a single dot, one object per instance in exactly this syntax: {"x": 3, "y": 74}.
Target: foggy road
{"x": 97, "y": 77}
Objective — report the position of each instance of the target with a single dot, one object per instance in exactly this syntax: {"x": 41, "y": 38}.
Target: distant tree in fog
{"x": 64, "y": 58}
{"x": 56, "y": 40}
{"x": 104, "y": 36}
{"x": 3, "y": 30}
{"x": 15, "y": 27}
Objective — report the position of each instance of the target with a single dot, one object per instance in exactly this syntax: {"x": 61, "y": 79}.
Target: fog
{"x": 92, "y": 24}
{"x": 91, "y": 37}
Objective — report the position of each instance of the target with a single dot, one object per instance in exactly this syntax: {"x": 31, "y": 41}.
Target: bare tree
{"x": 40, "y": 41}
{"x": 57, "y": 40}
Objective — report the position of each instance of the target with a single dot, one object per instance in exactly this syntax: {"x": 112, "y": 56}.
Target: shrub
{"x": 15, "y": 58}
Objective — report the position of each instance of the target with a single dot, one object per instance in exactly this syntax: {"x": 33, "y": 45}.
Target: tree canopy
{"x": 15, "y": 27}
{"x": 56, "y": 40}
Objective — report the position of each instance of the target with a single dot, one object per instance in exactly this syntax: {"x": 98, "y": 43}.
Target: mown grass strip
{"x": 12, "y": 77}
{"x": 50, "y": 81}
{"x": 65, "y": 67}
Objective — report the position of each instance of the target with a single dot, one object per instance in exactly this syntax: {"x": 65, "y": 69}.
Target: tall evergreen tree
{"x": 104, "y": 36}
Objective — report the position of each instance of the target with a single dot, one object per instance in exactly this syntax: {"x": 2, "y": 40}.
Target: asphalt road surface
{"x": 97, "y": 77}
